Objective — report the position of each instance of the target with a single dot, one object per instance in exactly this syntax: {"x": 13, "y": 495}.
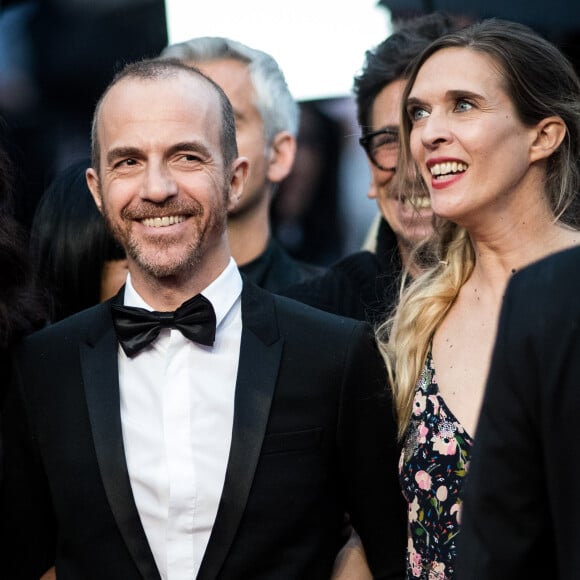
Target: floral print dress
{"x": 432, "y": 466}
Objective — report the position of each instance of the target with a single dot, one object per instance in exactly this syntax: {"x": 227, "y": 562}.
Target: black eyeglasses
{"x": 382, "y": 148}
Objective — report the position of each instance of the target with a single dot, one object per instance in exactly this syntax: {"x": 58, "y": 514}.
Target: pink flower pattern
{"x": 432, "y": 468}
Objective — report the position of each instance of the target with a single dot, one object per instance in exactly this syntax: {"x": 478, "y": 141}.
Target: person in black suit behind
{"x": 519, "y": 519}
{"x": 267, "y": 119}
{"x": 365, "y": 285}
{"x": 133, "y": 452}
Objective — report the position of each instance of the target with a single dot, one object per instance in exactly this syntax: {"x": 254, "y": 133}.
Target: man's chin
{"x": 162, "y": 267}
{"x": 418, "y": 235}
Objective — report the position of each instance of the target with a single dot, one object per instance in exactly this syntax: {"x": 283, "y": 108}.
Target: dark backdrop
{"x": 63, "y": 54}
{"x": 556, "y": 20}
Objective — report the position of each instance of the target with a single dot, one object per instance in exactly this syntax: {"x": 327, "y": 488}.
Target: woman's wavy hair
{"x": 541, "y": 83}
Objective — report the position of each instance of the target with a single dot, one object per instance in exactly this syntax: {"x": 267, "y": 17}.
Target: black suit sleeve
{"x": 518, "y": 519}
{"x": 370, "y": 454}
{"x": 27, "y": 528}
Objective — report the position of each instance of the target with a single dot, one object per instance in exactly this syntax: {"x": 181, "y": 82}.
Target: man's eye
{"x": 386, "y": 139}
{"x": 190, "y": 157}
{"x": 126, "y": 163}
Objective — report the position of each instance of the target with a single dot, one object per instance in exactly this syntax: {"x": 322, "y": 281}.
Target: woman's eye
{"x": 463, "y": 106}
{"x": 418, "y": 113}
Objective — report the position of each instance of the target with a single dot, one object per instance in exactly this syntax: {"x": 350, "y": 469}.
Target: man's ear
{"x": 94, "y": 186}
{"x": 240, "y": 168}
{"x": 282, "y": 155}
{"x": 548, "y": 134}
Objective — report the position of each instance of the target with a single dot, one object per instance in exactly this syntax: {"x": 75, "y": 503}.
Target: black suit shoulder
{"x": 69, "y": 329}
{"x": 554, "y": 281}
{"x": 364, "y": 285}
{"x": 275, "y": 269}
{"x": 295, "y": 316}
{"x": 359, "y": 286}
{"x": 539, "y": 322}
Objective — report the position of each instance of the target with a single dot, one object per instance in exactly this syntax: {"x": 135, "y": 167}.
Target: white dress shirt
{"x": 177, "y": 408}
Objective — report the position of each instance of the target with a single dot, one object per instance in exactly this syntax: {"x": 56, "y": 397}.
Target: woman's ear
{"x": 549, "y": 133}
{"x": 282, "y": 154}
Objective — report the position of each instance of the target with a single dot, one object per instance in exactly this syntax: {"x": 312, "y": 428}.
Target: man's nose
{"x": 159, "y": 183}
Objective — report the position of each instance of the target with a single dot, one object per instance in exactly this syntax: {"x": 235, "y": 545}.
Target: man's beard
{"x": 150, "y": 255}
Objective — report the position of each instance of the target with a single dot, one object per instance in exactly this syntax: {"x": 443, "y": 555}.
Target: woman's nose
{"x": 435, "y": 130}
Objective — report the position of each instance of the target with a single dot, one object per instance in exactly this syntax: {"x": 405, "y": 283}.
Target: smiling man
{"x": 164, "y": 179}
{"x": 365, "y": 285}
{"x": 183, "y": 428}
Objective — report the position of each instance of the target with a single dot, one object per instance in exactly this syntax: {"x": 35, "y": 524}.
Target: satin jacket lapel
{"x": 261, "y": 342}
{"x": 101, "y": 380}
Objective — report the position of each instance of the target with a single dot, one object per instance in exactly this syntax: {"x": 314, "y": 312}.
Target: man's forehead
{"x": 178, "y": 81}
{"x": 152, "y": 114}
{"x": 185, "y": 95}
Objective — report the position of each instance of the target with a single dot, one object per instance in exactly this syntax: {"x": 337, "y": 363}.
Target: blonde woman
{"x": 492, "y": 121}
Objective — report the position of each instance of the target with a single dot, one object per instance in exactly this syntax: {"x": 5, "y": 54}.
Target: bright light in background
{"x": 319, "y": 44}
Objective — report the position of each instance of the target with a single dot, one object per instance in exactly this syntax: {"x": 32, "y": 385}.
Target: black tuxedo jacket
{"x": 313, "y": 437}
{"x": 520, "y": 515}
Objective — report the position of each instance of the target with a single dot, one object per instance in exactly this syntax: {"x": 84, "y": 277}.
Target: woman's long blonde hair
{"x": 447, "y": 261}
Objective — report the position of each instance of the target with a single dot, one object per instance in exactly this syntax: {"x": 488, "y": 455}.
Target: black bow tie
{"x": 137, "y": 327}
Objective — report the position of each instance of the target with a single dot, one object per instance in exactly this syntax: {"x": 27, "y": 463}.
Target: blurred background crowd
{"x": 56, "y": 56}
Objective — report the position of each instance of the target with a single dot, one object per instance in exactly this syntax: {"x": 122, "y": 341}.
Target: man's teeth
{"x": 448, "y": 167}
{"x": 423, "y": 202}
{"x": 161, "y": 222}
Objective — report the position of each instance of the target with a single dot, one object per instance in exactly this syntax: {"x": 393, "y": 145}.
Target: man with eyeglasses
{"x": 365, "y": 284}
